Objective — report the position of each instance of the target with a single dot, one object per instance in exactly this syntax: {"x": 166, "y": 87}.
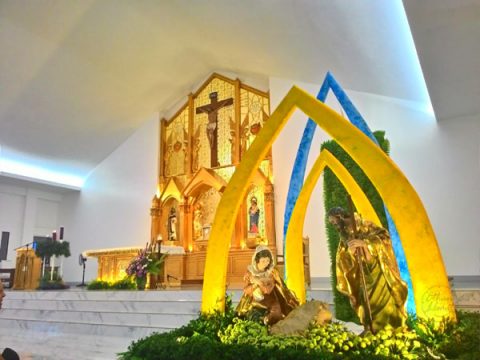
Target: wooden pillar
{"x": 236, "y": 138}
{"x": 270, "y": 215}
{"x": 240, "y": 228}
{"x": 156, "y": 215}
{"x": 186, "y": 225}
{"x": 190, "y": 137}
{"x": 161, "y": 151}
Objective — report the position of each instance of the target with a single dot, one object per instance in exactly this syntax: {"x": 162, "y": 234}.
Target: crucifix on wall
{"x": 212, "y": 127}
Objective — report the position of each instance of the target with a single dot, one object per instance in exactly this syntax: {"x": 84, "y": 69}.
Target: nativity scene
{"x": 370, "y": 271}
{"x": 225, "y": 197}
{"x": 213, "y": 226}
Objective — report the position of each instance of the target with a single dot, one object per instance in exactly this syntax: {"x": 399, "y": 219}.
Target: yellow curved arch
{"x": 430, "y": 284}
{"x": 295, "y": 278}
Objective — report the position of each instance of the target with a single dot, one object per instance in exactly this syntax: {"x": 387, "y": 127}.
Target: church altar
{"x": 200, "y": 148}
{"x": 113, "y": 262}
{"x": 180, "y": 267}
{"x": 189, "y": 268}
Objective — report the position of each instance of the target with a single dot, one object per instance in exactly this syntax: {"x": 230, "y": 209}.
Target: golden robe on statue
{"x": 265, "y": 293}
{"x": 386, "y": 291}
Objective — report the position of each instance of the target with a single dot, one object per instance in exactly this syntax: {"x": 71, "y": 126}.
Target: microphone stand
{"x": 83, "y": 275}
{"x": 83, "y": 261}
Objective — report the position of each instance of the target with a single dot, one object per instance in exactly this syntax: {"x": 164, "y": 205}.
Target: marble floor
{"x": 35, "y": 345}
{"x": 80, "y": 324}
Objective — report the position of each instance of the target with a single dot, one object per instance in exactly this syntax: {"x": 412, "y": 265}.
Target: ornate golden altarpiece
{"x": 200, "y": 147}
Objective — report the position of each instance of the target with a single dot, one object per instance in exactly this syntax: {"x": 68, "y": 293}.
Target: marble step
{"x": 128, "y": 295}
{"x": 100, "y": 317}
{"x": 119, "y": 295}
{"x": 123, "y": 306}
{"x": 467, "y": 299}
{"x": 130, "y": 314}
{"x": 49, "y": 328}
{"x": 325, "y": 295}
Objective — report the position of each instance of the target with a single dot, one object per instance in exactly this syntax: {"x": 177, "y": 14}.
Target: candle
{"x": 54, "y": 235}
{"x": 61, "y": 232}
{"x": 52, "y": 267}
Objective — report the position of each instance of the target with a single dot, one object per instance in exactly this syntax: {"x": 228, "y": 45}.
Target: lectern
{"x": 28, "y": 270}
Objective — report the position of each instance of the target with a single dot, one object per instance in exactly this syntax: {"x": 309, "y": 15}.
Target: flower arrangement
{"x": 144, "y": 263}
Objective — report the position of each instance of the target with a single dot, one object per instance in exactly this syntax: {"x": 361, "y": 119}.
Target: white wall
{"x": 112, "y": 210}
{"x": 441, "y": 160}
{"x": 26, "y": 211}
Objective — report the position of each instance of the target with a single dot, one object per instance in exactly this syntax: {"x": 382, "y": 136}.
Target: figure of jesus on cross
{"x": 212, "y": 127}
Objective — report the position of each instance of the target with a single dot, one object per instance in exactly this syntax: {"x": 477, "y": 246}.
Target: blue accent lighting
{"x": 20, "y": 170}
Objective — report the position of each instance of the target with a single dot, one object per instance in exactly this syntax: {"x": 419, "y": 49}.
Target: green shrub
{"x": 466, "y": 344}
{"x": 199, "y": 347}
{"x": 453, "y": 340}
{"x": 49, "y": 282}
{"x": 210, "y": 325}
{"x": 245, "y": 339}
{"x": 124, "y": 284}
{"x": 98, "y": 285}
{"x": 332, "y": 338}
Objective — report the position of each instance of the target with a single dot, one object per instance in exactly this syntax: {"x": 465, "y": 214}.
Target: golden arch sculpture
{"x": 294, "y": 253}
{"x": 432, "y": 294}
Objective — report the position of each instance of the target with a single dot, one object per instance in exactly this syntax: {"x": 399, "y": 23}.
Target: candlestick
{"x": 52, "y": 267}
{"x": 54, "y": 235}
{"x": 61, "y": 232}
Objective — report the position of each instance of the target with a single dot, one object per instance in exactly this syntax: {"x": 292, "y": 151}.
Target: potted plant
{"x": 143, "y": 264}
{"x": 52, "y": 278}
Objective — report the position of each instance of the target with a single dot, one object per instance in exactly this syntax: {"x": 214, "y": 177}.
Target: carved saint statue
{"x": 253, "y": 216}
{"x": 172, "y": 224}
{"x": 367, "y": 271}
{"x": 265, "y": 295}
{"x": 197, "y": 222}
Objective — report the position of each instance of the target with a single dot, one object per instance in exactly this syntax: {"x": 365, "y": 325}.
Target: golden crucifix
{"x": 212, "y": 127}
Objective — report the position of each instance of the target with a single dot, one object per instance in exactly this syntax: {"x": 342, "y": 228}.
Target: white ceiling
{"x": 78, "y": 77}
{"x": 447, "y": 37}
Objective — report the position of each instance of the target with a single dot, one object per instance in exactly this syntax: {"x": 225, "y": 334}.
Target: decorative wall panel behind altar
{"x": 200, "y": 147}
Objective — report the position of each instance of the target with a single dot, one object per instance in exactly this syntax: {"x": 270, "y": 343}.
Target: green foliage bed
{"x": 124, "y": 284}
{"x": 224, "y": 336}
